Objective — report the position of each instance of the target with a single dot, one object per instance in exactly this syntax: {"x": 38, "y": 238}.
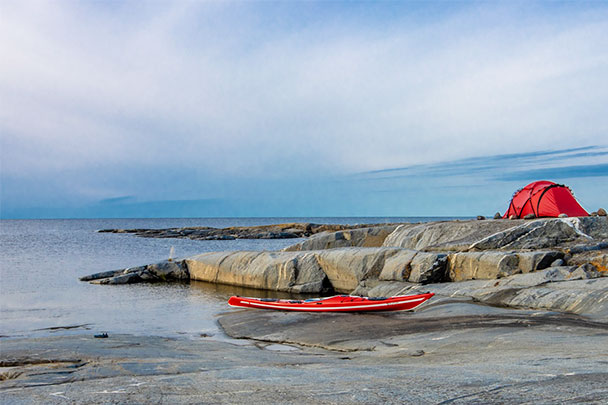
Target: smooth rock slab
{"x": 364, "y": 237}
{"x": 564, "y": 289}
{"x": 445, "y": 236}
{"x": 295, "y": 272}
{"x": 489, "y": 265}
{"x": 546, "y": 233}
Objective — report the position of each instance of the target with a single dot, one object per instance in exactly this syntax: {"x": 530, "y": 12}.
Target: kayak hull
{"x": 338, "y": 303}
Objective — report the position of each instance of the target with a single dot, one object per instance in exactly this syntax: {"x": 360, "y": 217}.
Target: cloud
{"x": 159, "y": 99}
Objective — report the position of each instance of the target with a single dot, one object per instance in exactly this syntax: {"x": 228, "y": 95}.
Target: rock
{"x": 347, "y": 267}
{"x": 539, "y": 260}
{"x": 594, "y": 214}
{"x": 444, "y": 236}
{"x": 398, "y": 267}
{"x": 585, "y": 272}
{"x": 279, "y": 271}
{"x": 364, "y": 237}
{"x": 497, "y": 215}
{"x": 163, "y": 271}
{"x": 587, "y": 247}
{"x": 480, "y": 217}
{"x": 529, "y": 216}
{"x": 564, "y": 288}
{"x": 415, "y": 266}
{"x": 277, "y": 231}
{"x": 428, "y": 268}
{"x": 562, "y": 215}
{"x": 601, "y": 212}
{"x": 482, "y": 265}
{"x": 545, "y": 233}
{"x": 412, "y": 253}
{"x": 495, "y": 264}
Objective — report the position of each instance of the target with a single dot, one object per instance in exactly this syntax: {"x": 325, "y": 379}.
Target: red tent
{"x": 544, "y": 199}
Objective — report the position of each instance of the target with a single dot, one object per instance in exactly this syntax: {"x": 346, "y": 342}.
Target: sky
{"x": 298, "y": 108}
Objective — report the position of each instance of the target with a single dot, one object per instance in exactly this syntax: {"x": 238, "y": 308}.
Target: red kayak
{"x": 338, "y": 303}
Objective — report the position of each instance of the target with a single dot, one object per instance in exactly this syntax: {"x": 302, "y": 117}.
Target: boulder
{"x": 364, "y": 237}
{"x": 601, "y": 212}
{"x": 294, "y": 272}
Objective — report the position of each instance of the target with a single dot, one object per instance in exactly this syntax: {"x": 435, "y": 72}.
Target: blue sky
{"x": 194, "y": 108}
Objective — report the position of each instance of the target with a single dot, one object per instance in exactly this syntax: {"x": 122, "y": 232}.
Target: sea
{"x": 41, "y": 261}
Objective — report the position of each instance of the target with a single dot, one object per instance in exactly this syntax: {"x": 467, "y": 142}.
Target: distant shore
{"x": 277, "y": 231}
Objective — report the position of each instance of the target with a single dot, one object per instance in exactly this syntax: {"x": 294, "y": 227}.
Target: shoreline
{"x": 501, "y": 333}
{"x": 451, "y": 351}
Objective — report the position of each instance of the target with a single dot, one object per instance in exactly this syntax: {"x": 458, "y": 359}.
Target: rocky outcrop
{"x": 580, "y": 290}
{"x": 545, "y": 233}
{"x": 500, "y": 234}
{"x": 364, "y": 237}
{"x": 175, "y": 270}
{"x": 445, "y": 236}
{"x": 506, "y": 254}
{"x": 278, "y": 231}
{"x": 279, "y": 271}
{"x": 490, "y": 265}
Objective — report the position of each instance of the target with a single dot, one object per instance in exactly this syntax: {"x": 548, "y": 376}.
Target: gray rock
{"x": 538, "y": 260}
{"x": 482, "y": 265}
{"x": 174, "y": 270}
{"x": 565, "y": 289}
{"x": 544, "y": 233}
{"x": 562, "y": 215}
{"x": 557, "y": 263}
{"x": 445, "y": 236}
{"x": 529, "y": 216}
{"x": 585, "y": 272}
{"x": 346, "y": 267}
{"x": 398, "y": 266}
{"x": 428, "y": 268}
{"x": 364, "y": 237}
{"x": 279, "y": 271}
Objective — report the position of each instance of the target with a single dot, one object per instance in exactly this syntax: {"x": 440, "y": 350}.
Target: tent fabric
{"x": 544, "y": 199}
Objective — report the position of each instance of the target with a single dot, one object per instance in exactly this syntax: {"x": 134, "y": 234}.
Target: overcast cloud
{"x": 224, "y": 100}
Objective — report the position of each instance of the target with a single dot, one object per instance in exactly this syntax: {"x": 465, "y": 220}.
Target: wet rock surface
{"x": 449, "y": 351}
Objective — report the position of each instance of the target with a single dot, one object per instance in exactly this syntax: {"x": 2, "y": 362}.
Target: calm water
{"x": 41, "y": 260}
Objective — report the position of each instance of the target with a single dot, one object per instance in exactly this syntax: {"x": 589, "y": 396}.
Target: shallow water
{"x": 41, "y": 261}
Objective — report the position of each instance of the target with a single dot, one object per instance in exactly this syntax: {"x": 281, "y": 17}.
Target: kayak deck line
{"x": 338, "y": 303}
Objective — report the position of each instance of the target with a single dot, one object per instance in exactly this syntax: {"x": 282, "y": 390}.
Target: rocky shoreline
{"x": 557, "y": 264}
{"x": 449, "y": 351}
{"x": 278, "y": 231}
{"x": 520, "y": 312}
